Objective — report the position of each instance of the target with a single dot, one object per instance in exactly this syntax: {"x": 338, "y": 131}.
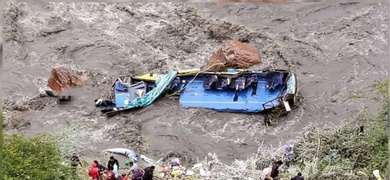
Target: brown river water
{"x": 336, "y": 49}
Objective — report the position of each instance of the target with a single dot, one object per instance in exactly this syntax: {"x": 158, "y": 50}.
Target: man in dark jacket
{"x": 75, "y": 161}
{"x": 148, "y": 175}
{"x": 275, "y": 169}
{"x": 100, "y": 167}
{"x": 298, "y": 177}
{"x": 111, "y": 162}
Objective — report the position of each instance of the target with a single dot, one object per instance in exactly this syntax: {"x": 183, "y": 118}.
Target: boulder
{"x": 233, "y": 54}
{"x": 62, "y": 78}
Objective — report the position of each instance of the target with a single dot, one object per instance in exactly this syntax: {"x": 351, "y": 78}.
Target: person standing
{"x": 148, "y": 175}
{"x": 94, "y": 172}
{"x": 100, "y": 167}
{"x": 275, "y": 169}
{"x": 116, "y": 171}
{"x": 134, "y": 166}
{"x": 74, "y": 162}
{"x": 111, "y": 162}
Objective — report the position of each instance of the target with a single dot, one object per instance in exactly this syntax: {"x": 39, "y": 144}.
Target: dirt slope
{"x": 335, "y": 48}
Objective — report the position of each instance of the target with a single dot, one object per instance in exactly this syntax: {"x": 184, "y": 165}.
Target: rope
{"x": 181, "y": 89}
{"x": 162, "y": 84}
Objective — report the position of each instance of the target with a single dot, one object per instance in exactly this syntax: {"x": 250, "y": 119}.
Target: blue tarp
{"x": 161, "y": 85}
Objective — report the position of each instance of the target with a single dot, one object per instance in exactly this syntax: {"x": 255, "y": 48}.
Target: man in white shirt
{"x": 134, "y": 166}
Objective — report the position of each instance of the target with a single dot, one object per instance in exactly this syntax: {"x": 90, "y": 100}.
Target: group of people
{"x": 111, "y": 172}
{"x": 98, "y": 171}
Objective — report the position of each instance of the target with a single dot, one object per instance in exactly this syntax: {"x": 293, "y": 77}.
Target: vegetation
{"x": 330, "y": 153}
{"x": 40, "y": 157}
{"x": 1, "y": 139}
{"x": 32, "y": 158}
{"x": 350, "y": 151}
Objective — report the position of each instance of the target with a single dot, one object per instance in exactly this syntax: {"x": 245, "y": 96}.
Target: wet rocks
{"x": 13, "y": 118}
{"x": 35, "y": 104}
{"x": 12, "y": 31}
{"x": 11, "y": 121}
{"x": 233, "y": 54}
{"x": 62, "y": 78}
{"x": 54, "y": 26}
{"x": 38, "y": 103}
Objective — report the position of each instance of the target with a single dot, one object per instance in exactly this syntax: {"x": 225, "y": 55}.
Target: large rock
{"x": 62, "y": 78}
{"x": 233, "y": 54}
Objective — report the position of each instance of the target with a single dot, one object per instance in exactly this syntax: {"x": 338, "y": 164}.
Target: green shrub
{"x": 343, "y": 152}
{"x": 32, "y": 158}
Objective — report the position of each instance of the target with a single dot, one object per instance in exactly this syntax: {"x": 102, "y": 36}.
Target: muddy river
{"x": 336, "y": 49}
